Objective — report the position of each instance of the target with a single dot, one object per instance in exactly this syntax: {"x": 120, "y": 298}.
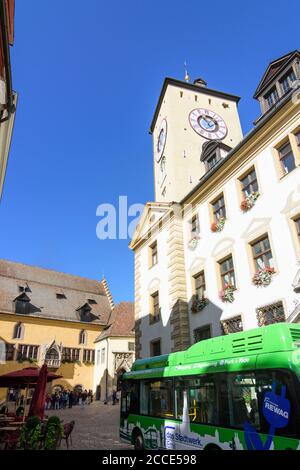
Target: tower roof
{"x": 189, "y": 86}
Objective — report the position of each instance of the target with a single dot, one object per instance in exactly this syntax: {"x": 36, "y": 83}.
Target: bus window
{"x": 241, "y": 400}
{"x": 202, "y": 399}
{"x": 129, "y": 398}
{"x": 281, "y": 379}
{"x": 157, "y": 398}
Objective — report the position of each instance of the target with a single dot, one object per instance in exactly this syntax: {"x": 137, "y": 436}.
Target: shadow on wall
{"x": 188, "y": 323}
{"x": 105, "y": 387}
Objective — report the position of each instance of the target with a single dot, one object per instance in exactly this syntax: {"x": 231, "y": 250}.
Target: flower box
{"x": 249, "y": 201}
{"x": 263, "y": 277}
{"x": 199, "y": 304}
{"x": 218, "y": 226}
{"x": 227, "y": 294}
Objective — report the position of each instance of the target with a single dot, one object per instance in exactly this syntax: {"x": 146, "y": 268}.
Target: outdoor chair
{"x": 68, "y": 428}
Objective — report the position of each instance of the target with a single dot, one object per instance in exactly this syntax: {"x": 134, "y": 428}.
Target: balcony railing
{"x": 53, "y": 363}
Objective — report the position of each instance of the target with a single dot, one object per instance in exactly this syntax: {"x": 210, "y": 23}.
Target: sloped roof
{"x": 44, "y": 285}
{"x": 120, "y": 323}
{"x": 273, "y": 69}
{"x": 190, "y": 86}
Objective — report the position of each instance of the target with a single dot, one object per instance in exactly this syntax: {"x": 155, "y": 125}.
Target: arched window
{"x": 18, "y": 331}
{"x": 83, "y": 337}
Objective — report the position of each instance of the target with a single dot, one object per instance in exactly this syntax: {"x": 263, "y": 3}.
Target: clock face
{"x": 208, "y": 124}
{"x": 161, "y": 140}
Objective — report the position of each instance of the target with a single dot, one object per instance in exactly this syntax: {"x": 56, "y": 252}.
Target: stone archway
{"x": 122, "y": 363}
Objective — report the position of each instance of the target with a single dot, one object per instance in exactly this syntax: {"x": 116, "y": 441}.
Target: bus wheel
{"x": 138, "y": 441}
{"x": 212, "y": 447}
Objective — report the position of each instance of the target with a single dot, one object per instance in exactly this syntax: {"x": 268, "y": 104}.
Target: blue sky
{"x": 88, "y": 76}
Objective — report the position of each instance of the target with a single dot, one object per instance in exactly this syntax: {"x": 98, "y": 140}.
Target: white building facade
{"x": 114, "y": 351}
{"x": 225, "y": 255}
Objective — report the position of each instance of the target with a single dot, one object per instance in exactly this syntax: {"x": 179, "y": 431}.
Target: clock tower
{"x": 193, "y": 128}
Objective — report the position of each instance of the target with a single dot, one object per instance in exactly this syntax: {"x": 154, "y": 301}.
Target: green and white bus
{"x": 240, "y": 391}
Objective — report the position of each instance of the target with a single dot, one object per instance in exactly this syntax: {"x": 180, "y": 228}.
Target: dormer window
{"x": 85, "y": 313}
{"x": 287, "y": 81}
{"x": 272, "y": 97}
{"x": 279, "y": 78}
{"x": 212, "y": 161}
{"x": 22, "y": 304}
{"x": 213, "y": 152}
{"x": 60, "y": 295}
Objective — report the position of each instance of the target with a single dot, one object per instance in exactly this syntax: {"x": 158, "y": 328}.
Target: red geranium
{"x": 244, "y": 205}
{"x": 214, "y": 227}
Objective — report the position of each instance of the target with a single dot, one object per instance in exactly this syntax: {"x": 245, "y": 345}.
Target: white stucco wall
{"x": 111, "y": 345}
{"x": 155, "y": 279}
{"x": 278, "y": 202}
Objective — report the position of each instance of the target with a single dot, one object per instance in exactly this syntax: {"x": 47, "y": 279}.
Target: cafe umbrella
{"x": 37, "y": 404}
{"x": 25, "y": 378}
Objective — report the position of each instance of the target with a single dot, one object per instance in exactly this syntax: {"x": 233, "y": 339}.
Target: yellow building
{"x": 52, "y": 317}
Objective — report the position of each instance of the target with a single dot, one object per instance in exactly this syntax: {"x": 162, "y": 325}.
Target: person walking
{"x": 114, "y": 397}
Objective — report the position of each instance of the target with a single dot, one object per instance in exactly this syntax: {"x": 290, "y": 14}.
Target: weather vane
{"x": 187, "y": 77}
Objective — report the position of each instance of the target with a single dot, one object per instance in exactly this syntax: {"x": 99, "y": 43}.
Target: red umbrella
{"x": 24, "y": 377}
{"x": 37, "y": 405}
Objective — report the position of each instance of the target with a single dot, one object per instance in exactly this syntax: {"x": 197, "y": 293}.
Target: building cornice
{"x": 35, "y": 319}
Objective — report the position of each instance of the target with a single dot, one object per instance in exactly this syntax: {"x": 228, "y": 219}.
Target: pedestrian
{"x": 71, "y": 398}
{"x": 114, "y": 397}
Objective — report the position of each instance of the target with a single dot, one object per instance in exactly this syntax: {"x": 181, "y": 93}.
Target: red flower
{"x": 244, "y": 205}
{"x": 270, "y": 270}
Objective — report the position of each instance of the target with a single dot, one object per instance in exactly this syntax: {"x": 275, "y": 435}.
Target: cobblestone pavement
{"x": 96, "y": 426}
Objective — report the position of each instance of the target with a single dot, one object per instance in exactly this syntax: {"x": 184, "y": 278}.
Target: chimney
{"x": 200, "y": 82}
